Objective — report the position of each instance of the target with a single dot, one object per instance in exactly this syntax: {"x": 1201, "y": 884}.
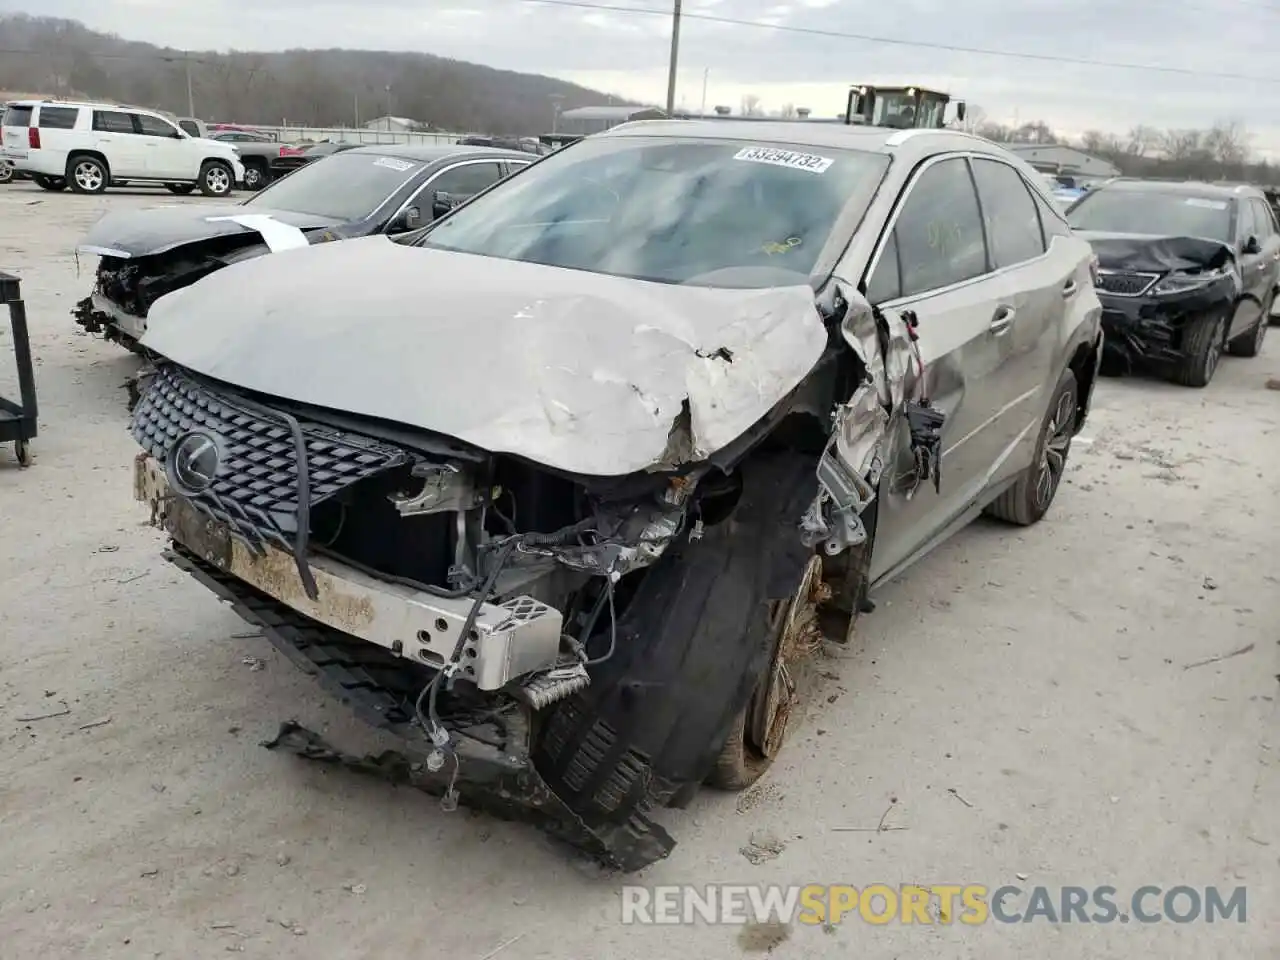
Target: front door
{"x": 934, "y": 263}
{"x": 167, "y": 150}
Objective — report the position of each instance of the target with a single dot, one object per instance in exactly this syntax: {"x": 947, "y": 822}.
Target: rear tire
{"x": 1029, "y": 499}
{"x": 180, "y": 189}
{"x": 256, "y": 176}
{"x": 86, "y": 174}
{"x": 216, "y": 179}
{"x": 6, "y": 172}
{"x": 1202, "y": 343}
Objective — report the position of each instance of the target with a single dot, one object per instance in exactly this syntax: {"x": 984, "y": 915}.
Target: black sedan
{"x": 352, "y": 193}
{"x": 290, "y": 159}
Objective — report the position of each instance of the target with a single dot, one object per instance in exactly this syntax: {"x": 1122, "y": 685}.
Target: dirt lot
{"x": 1025, "y": 701}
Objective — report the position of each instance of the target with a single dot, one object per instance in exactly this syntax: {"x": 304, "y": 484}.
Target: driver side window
{"x": 938, "y": 236}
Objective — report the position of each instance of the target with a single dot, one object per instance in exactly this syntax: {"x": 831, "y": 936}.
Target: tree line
{"x": 63, "y": 58}
{"x": 1221, "y": 151}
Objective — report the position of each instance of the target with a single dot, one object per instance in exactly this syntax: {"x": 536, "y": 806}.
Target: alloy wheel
{"x": 1260, "y": 333}
{"x": 217, "y": 180}
{"x": 1053, "y": 458}
{"x": 1214, "y": 353}
{"x": 88, "y": 176}
{"x": 253, "y": 178}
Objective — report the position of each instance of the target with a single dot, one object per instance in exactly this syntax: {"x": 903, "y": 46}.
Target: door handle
{"x": 1069, "y": 289}
{"x": 1002, "y": 319}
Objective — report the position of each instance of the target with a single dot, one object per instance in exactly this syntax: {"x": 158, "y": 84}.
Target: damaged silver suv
{"x": 555, "y": 488}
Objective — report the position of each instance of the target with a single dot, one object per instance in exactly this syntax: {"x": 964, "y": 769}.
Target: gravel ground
{"x": 1023, "y": 700}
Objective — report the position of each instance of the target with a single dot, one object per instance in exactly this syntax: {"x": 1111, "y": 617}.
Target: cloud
{"x": 627, "y": 53}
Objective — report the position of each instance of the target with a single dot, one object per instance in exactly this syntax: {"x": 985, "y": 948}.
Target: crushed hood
{"x": 586, "y": 373}
{"x": 1155, "y": 254}
{"x": 141, "y": 233}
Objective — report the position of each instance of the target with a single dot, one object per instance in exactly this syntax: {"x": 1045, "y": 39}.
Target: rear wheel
{"x": 216, "y": 179}
{"x": 6, "y": 172}
{"x": 1202, "y": 349}
{"x": 256, "y": 176}
{"x": 87, "y": 174}
{"x": 1029, "y": 499}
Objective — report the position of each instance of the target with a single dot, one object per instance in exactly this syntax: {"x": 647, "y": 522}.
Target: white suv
{"x": 90, "y": 146}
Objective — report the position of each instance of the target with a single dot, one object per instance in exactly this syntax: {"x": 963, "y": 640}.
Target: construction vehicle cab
{"x": 902, "y": 107}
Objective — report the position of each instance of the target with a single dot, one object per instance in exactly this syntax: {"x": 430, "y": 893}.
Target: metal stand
{"x": 18, "y": 420}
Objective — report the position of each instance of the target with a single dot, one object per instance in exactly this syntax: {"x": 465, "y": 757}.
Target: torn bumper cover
{"x": 329, "y": 637}
{"x": 1151, "y": 288}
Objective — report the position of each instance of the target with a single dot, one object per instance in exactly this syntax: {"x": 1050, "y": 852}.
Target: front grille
{"x": 255, "y": 486}
{"x": 1125, "y": 284}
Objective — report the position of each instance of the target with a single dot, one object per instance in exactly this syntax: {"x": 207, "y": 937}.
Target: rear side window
{"x": 58, "y": 118}
{"x": 939, "y": 230}
{"x": 1012, "y": 222}
{"x": 15, "y": 116}
{"x": 189, "y": 128}
{"x": 112, "y": 121}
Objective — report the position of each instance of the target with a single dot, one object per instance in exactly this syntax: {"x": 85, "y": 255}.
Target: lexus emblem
{"x": 193, "y": 462}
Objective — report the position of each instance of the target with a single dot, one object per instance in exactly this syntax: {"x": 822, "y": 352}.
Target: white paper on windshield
{"x": 392, "y": 163}
{"x": 809, "y": 162}
{"x": 1207, "y": 204}
{"x": 278, "y": 236}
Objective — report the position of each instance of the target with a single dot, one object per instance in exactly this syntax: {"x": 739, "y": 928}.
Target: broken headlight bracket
{"x": 834, "y": 519}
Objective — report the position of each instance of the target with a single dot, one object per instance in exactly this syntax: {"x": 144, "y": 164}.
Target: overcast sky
{"x": 627, "y": 53}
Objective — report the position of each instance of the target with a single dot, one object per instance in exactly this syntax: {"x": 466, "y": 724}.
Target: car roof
{"x": 914, "y": 142}
{"x": 1185, "y": 188}
{"x": 426, "y": 153}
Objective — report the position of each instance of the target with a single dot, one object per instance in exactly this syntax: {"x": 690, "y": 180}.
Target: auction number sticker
{"x": 400, "y": 166}
{"x": 809, "y": 162}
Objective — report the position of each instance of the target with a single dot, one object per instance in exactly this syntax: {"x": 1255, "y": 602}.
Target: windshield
{"x": 1153, "y": 213}
{"x": 714, "y": 213}
{"x": 345, "y": 186}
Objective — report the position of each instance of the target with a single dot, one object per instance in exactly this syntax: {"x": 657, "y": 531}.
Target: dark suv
{"x": 1186, "y": 270}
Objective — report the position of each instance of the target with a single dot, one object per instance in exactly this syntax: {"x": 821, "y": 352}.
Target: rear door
{"x": 115, "y": 137}
{"x": 1038, "y": 280}
{"x": 934, "y": 263}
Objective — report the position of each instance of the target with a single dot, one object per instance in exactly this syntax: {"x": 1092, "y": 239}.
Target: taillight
{"x": 290, "y": 152}
{"x": 33, "y": 138}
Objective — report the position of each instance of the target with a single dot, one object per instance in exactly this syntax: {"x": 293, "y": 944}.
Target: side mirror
{"x": 960, "y": 110}
{"x": 442, "y": 203}
{"x": 410, "y": 219}
{"x": 1252, "y": 246}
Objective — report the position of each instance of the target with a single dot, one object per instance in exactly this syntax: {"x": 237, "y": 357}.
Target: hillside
{"x": 311, "y": 87}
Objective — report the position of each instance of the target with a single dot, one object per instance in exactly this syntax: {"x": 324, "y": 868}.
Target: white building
{"x": 1058, "y": 158}
{"x": 392, "y": 125}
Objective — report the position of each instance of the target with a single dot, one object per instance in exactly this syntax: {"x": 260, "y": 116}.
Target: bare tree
{"x": 1141, "y": 140}
{"x": 787, "y": 111}
{"x": 1037, "y": 131}
{"x": 1181, "y": 145}
{"x": 751, "y": 106}
{"x": 1227, "y": 142}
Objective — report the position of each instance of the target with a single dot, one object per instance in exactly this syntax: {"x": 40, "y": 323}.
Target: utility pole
{"x": 675, "y": 56}
{"x": 706, "y": 72}
{"x": 191, "y": 100}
